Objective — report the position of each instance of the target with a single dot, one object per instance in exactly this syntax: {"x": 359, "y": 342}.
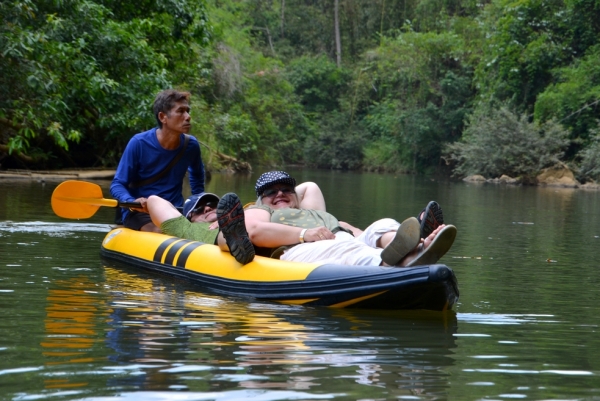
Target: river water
{"x": 526, "y": 325}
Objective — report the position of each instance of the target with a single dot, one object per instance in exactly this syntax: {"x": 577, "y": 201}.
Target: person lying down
{"x": 291, "y": 220}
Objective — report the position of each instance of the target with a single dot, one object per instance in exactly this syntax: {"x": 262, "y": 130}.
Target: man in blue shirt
{"x": 155, "y": 162}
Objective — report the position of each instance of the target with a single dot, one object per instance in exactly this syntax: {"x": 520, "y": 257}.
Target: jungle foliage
{"x": 77, "y": 77}
{"x": 415, "y": 83}
{"x": 517, "y": 147}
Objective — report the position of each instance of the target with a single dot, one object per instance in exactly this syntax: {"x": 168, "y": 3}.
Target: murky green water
{"x": 526, "y": 326}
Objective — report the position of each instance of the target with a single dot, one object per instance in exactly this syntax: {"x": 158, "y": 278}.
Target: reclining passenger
{"x": 201, "y": 209}
{"x": 310, "y": 235}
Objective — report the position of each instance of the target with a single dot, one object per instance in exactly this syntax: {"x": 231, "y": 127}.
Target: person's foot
{"x": 433, "y": 247}
{"x": 406, "y": 239}
{"x": 430, "y": 218}
{"x": 230, "y": 215}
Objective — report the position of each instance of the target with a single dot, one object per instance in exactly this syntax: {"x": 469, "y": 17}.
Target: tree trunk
{"x": 338, "y": 44}
{"x": 282, "y": 18}
{"x": 381, "y": 24}
{"x": 268, "y": 33}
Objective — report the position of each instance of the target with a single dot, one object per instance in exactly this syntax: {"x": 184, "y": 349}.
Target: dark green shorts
{"x": 183, "y": 228}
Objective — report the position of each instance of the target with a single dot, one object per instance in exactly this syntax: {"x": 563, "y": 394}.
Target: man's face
{"x": 280, "y": 196}
{"x": 205, "y": 212}
{"x": 178, "y": 118}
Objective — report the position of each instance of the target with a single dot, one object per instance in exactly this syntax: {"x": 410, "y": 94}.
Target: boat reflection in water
{"x": 431, "y": 287}
{"x": 163, "y": 335}
{"x": 75, "y": 318}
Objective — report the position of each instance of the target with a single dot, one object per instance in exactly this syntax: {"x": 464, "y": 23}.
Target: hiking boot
{"x": 230, "y": 215}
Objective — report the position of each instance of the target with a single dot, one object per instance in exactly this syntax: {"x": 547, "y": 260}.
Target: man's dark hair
{"x": 166, "y": 100}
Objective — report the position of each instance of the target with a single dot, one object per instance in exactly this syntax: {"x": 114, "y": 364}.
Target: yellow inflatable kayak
{"x": 376, "y": 287}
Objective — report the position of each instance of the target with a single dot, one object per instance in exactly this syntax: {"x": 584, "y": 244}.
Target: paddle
{"x": 81, "y": 200}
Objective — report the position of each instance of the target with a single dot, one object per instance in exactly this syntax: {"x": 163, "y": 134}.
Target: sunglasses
{"x": 200, "y": 209}
{"x": 274, "y": 191}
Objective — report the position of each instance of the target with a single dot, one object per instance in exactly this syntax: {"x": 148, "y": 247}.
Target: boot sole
{"x": 230, "y": 215}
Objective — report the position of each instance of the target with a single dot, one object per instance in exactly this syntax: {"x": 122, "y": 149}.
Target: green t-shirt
{"x": 183, "y": 228}
{"x": 303, "y": 218}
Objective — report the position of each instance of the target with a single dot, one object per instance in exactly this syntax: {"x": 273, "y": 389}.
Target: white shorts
{"x": 345, "y": 249}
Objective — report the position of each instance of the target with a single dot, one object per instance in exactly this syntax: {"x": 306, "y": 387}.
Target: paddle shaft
{"x": 98, "y": 201}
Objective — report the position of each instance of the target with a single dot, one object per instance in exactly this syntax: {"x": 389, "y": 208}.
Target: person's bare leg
{"x": 160, "y": 210}
{"x": 385, "y": 239}
{"x": 221, "y": 242}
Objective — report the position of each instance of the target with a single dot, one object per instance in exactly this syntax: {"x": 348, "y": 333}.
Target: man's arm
{"x": 355, "y": 231}
{"x": 311, "y": 197}
{"x": 123, "y": 175}
{"x": 196, "y": 168}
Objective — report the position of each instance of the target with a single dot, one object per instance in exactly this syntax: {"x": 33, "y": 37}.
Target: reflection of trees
{"x": 215, "y": 343}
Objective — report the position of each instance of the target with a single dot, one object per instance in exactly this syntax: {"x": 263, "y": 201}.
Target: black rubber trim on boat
{"x": 170, "y": 257}
{"x": 161, "y": 249}
{"x": 187, "y": 251}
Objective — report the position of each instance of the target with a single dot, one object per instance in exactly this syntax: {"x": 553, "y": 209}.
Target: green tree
{"x": 249, "y": 107}
{"x": 574, "y": 98}
{"x": 78, "y": 76}
{"x": 337, "y": 144}
{"x": 318, "y": 82}
{"x": 498, "y": 141}
{"x": 589, "y": 168}
{"x": 528, "y": 39}
{"x": 413, "y": 94}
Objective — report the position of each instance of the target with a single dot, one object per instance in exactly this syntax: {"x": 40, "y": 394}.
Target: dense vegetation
{"x": 398, "y": 85}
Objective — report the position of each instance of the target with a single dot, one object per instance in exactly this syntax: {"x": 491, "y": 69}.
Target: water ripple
{"x": 42, "y": 227}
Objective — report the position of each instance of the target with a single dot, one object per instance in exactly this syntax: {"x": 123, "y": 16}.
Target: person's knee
{"x": 152, "y": 201}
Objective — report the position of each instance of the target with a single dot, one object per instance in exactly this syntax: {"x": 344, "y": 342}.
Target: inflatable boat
{"x": 431, "y": 287}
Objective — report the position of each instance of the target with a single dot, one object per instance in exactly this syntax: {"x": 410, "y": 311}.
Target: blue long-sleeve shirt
{"x": 144, "y": 158}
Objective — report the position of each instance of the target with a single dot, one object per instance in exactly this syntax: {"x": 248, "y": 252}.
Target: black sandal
{"x": 439, "y": 246}
{"x": 432, "y": 218}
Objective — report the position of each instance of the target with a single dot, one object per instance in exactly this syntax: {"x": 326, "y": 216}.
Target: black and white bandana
{"x": 271, "y": 178}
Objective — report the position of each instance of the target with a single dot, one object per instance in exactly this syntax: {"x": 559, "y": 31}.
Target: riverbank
{"x": 554, "y": 179}
{"x": 56, "y": 175}
{"x": 558, "y": 176}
